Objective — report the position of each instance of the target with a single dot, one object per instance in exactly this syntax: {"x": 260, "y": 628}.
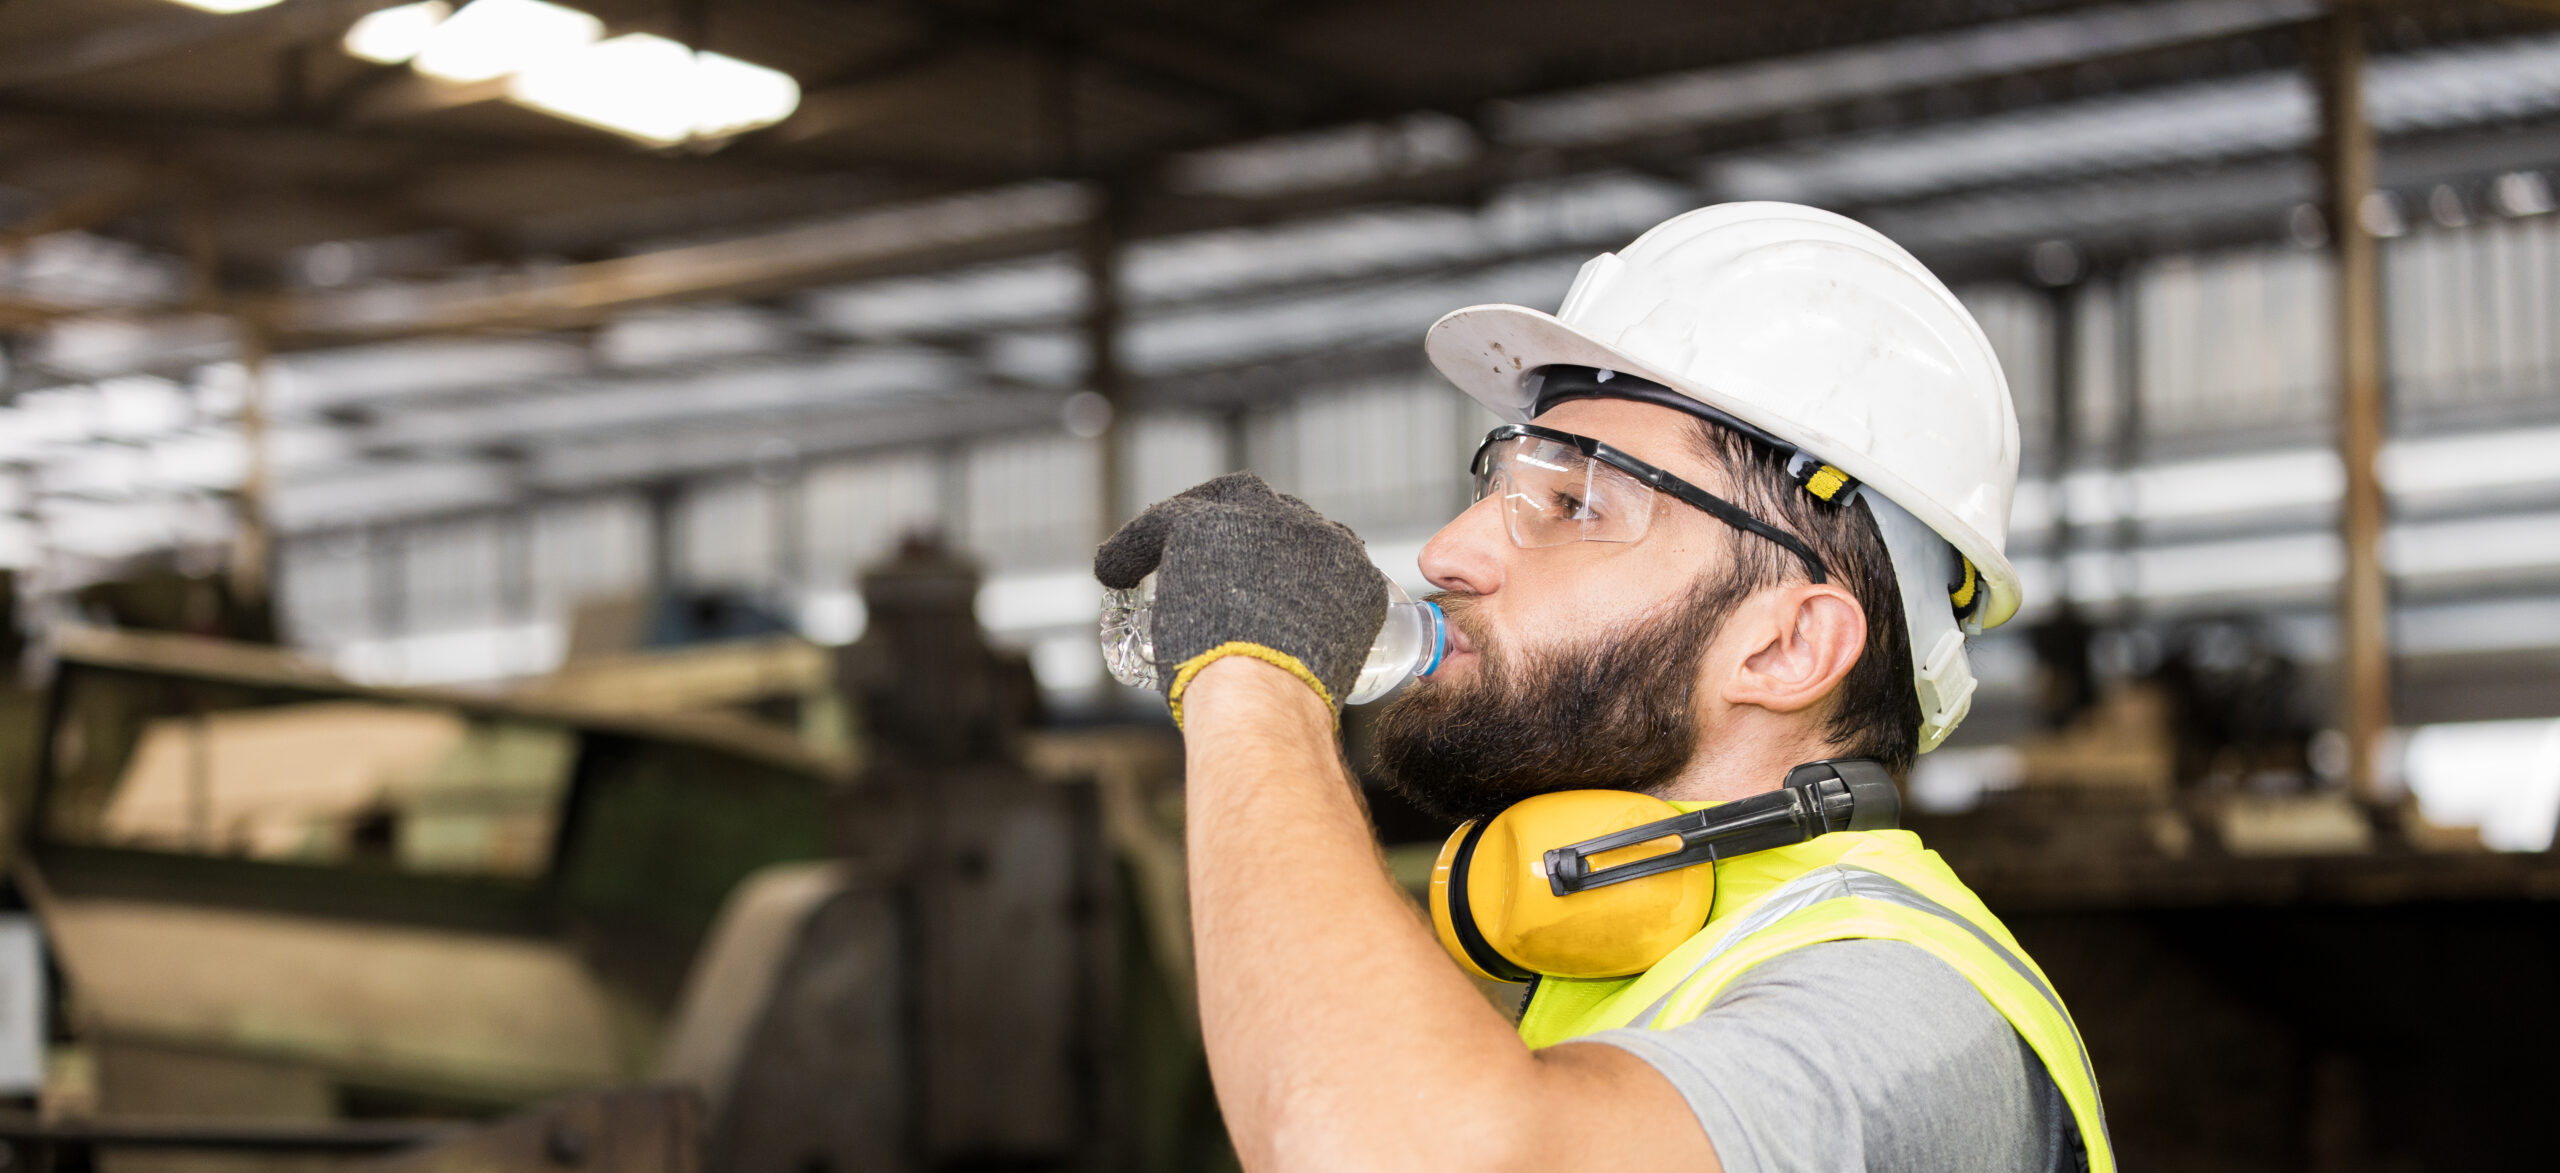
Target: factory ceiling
{"x": 256, "y": 137}
{"x": 458, "y": 280}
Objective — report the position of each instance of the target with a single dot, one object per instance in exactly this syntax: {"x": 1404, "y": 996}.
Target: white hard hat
{"x": 1821, "y": 332}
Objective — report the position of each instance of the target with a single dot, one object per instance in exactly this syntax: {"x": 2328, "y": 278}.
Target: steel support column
{"x": 789, "y": 515}
{"x": 2347, "y": 165}
{"x": 1235, "y": 440}
{"x": 516, "y": 586}
{"x": 2127, "y": 424}
{"x": 667, "y": 541}
{"x": 1104, "y": 375}
{"x": 2065, "y": 685}
{"x": 950, "y": 497}
{"x": 387, "y": 588}
{"x": 2062, "y": 427}
{"x": 253, "y": 539}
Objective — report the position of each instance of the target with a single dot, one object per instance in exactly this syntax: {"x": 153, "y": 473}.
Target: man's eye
{"x": 1573, "y": 507}
{"x": 1607, "y": 497}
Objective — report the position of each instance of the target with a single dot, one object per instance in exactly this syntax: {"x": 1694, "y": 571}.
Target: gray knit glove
{"x": 1242, "y": 570}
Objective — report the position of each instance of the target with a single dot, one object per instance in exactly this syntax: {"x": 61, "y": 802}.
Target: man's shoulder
{"x": 1881, "y": 1002}
{"x": 1858, "y": 1053}
{"x": 1874, "y": 971}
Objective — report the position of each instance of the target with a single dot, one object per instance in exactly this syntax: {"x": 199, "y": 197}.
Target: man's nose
{"x": 1466, "y": 555}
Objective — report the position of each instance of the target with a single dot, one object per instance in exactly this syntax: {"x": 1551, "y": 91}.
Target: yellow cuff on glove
{"x": 1274, "y": 657}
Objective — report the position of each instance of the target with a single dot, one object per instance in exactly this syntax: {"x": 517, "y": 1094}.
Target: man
{"x": 1755, "y": 500}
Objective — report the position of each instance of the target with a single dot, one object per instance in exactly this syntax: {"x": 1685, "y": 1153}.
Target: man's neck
{"x": 1747, "y": 754}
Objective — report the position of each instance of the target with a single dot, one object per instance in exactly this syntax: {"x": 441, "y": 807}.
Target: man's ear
{"x": 1806, "y": 639}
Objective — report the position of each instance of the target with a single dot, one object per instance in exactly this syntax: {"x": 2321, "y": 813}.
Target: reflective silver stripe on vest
{"x": 1796, "y": 895}
{"x": 1838, "y": 881}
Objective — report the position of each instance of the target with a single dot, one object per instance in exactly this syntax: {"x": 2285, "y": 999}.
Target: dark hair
{"x": 1877, "y": 714}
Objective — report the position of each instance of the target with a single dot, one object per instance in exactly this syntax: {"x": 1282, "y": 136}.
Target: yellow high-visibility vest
{"x": 1872, "y": 884}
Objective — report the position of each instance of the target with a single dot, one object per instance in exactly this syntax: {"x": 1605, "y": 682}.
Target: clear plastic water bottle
{"x": 1411, "y": 644}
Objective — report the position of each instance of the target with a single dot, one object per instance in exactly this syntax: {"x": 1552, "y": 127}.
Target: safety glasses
{"x": 1556, "y": 487}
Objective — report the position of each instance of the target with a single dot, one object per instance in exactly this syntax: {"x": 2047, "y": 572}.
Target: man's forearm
{"x": 1338, "y": 1034}
{"x": 1330, "y": 1016}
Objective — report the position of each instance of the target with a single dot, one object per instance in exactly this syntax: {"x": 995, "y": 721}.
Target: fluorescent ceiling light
{"x": 734, "y": 96}
{"x": 656, "y": 90}
{"x": 393, "y": 35}
{"x": 637, "y": 85}
{"x": 227, "y": 6}
{"x": 493, "y": 38}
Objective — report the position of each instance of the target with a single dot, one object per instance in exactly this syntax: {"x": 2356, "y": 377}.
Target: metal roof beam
{"x": 1008, "y": 221}
{"x": 818, "y": 434}
{"x": 134, "y": 44}
{"x": 1735, "y": 93}
{"x": 582, "y": 293}
{"x": 1638, "y": 123}
{"x": 86, "y": 208}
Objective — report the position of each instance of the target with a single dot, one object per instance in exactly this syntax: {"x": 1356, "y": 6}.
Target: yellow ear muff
{"x": 1497, "y": 915}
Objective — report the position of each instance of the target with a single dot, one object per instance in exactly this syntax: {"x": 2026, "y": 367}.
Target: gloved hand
{"x": 1242, "y": 570}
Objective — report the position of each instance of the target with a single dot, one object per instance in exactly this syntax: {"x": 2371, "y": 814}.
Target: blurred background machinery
{"x": 283, "y": 910}
{"x": 441, "y": 444}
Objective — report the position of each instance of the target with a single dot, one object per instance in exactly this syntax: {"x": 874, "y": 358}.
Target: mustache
{"x": 1459, "y": 609}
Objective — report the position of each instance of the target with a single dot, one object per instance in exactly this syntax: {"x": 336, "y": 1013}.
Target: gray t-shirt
{"x": 1860, "y": 1054}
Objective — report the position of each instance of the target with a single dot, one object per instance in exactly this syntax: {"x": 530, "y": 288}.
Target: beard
{"x": 1613, "y": 712}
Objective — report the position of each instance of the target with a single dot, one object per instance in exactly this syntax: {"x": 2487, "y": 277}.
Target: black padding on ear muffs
{"x": 1462, "y": 919}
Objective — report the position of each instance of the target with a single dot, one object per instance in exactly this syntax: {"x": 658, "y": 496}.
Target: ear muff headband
{"x": 1450, "y": 887}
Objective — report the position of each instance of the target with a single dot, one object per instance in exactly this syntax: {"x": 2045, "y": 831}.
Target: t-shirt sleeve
{"x": 1859, "y": 1054}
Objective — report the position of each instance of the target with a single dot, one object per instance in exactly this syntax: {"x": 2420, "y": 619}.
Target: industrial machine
{"x": 291, "y": 918}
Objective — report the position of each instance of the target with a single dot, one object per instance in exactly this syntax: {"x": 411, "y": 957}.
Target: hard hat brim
{"x": 1490, "y": 351}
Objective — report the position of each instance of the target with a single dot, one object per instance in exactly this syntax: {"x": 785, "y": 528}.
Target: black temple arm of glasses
{"x": 1734, "y": 515}
{"x": 1655, "y": 478}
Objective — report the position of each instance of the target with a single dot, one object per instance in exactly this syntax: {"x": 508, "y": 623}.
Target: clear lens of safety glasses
{"x": 1552, "y": 494}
